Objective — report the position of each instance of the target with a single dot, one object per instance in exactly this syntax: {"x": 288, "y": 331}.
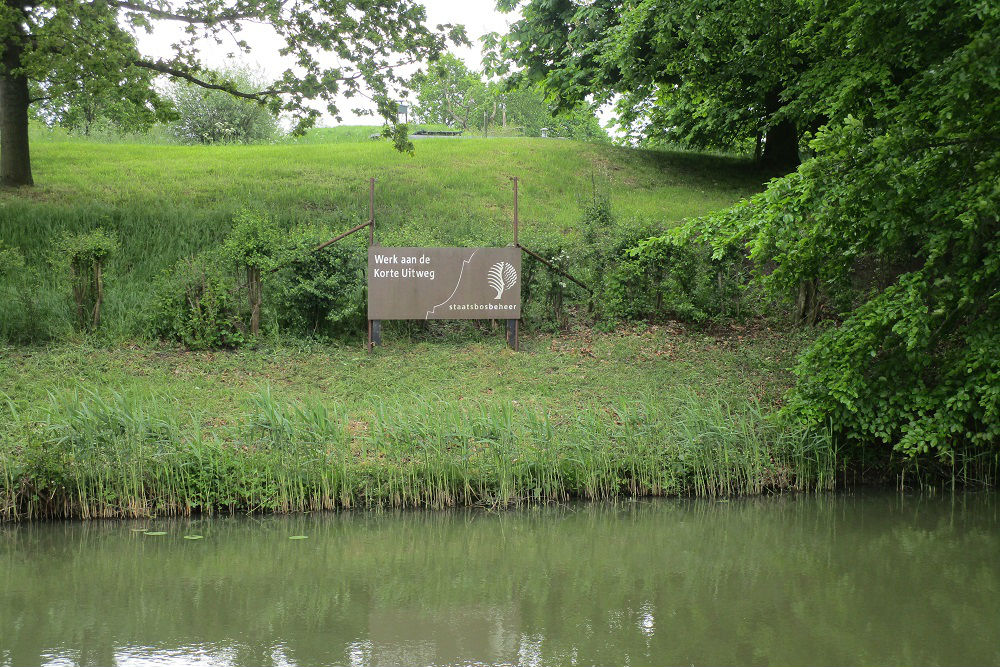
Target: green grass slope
{"x": 165, "y": 202}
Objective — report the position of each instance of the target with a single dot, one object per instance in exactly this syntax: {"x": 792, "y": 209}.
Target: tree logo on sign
{"x": 501, "y": 276}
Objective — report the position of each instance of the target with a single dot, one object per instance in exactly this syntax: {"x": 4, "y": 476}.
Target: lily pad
{"x": 299, "y": 537}
{"x": 193, "y": 537}
{"x": 155, "y": 532}
{"x": 139, "y": 530}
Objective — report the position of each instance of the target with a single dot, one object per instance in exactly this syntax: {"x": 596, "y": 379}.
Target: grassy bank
{"x": 167, "y": 202}
{"x": 110, "y": 424}
{"x": 150, "y": 431}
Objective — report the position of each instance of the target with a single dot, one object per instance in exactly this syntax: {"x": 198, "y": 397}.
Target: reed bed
{"x": 124, "y": 456}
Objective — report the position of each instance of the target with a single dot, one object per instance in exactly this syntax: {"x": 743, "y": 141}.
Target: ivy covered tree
{"x": 44, "y": 43}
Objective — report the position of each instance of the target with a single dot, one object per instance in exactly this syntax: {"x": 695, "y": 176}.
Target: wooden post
{"x": 374, "y": 326}
{"x": 512, "y": 340}
{"x": 515, "y": 212}
{"x": 512, "y": 328}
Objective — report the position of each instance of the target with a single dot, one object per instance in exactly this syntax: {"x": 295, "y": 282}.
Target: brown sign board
{"x": 444, "y": 283}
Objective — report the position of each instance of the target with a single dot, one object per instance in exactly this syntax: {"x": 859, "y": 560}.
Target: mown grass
{"x": 149, "y": 431}
{"x": 180, "y": 197}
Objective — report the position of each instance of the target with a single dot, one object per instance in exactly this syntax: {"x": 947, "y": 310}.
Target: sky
{"x": 478, "y": 16}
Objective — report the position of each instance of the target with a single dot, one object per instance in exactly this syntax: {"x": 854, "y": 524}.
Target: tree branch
{"x": 163, "y": 68}
{"x": 184, "y": 18}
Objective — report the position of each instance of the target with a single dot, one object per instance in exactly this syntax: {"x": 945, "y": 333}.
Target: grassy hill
{"x": 165, "y": 202}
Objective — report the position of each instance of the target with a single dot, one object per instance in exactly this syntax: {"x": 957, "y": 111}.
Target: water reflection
{"x": 861, "y": 579}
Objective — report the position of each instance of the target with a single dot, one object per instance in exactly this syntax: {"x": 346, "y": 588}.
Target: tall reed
{"x": 126, "y": 456}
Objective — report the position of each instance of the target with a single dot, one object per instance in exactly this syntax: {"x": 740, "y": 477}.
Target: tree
{"x": 212, "y": 116}
{"x": 894, "y": 223}
{"x": 448, "y": 93}
{"x": 451, "y": 94}
{"x": 706, "y": 73}
{"x": 126, "y": 102}
{"x": 47, "y": 42}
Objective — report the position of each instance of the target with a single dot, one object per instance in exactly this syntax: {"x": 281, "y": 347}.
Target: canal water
{"x": 866, "y": 579}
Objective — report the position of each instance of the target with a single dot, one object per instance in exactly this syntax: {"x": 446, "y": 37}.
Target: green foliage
{"x": 214, "y": 116}
{"x": 321, "y": 294}
{"x": 85, "y": 250}
{"x": 86, "y": 254}
{"x": 11, "y": 261}
{"x": 337, "y": 50}
{"x": 704, "y": 73}
{"x": 449, "y": 193}
{"x": 545, "y": 293}
{"x": 197, "y": 304}
{"x": 121, "y": 103}
{"x": 900, "y": 205}
{"x": 660, "y": 278}
{"x": 25, "y": 313}
{"x": 254, "y": 247}
{"x": 122, "y": 456}
{"x": 399, "y": 135}
{"x": 254, "y": 241}
{"x": 451, "y": 94}
{"x": 891, "y": 226}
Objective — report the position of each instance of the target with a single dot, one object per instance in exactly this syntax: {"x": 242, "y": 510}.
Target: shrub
{"x": 215, "y": 116}
{"x": 197, "y": 303}
{"x": 544, "y": 292}
{"x": 87, "y": 254}
{"x": 11, "y": 261}
{"x": 254, "y": 247}
{"x": 27, "y": 312}
{"x": 678, "y": 277}
{"x": 321, "y": 293}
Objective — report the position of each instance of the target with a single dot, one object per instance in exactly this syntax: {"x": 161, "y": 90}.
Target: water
{"x": 869, "y": 579}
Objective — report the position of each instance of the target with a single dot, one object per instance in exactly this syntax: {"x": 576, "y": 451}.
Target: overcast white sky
{"x": 478, "y": 16}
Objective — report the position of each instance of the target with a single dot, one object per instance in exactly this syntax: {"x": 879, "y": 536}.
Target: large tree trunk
{"x": 15, "y": 161}
{"x": 781, "y": 146}
{"x": 781, "y": 142}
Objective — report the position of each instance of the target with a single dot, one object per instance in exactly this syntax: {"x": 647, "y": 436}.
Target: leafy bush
{"x": 197, "y": 304}
{"x": 254, "y": 247}
{"x": 87, "y": 255}
{"x": 321, "y": 293}
{"x": 214, "y": 116}
{"x": 659, "y": 278}
{"x": 255, "y": 240}
{"x": 682, "y": 274}
{"x": 906, "y": 180}
{"x": 544, "y": 292}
